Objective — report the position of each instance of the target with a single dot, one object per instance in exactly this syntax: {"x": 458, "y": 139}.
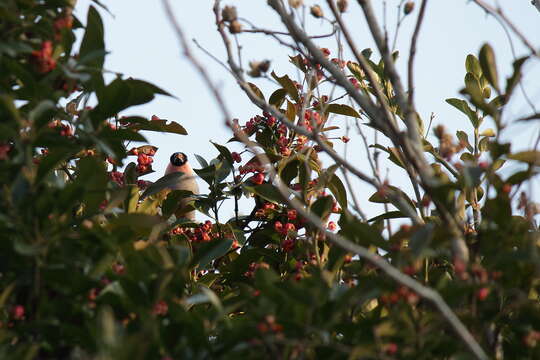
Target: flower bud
{"x": 296, "y": 3}
{"x": 409, "y": 7}
{"x": 235, "y": 27}
{"x": 342, "y": 5}
{"x": 229, "y": 13}
{"x": 316, "y": 11}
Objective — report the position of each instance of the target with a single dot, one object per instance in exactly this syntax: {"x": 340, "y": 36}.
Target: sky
{"x": 142, "y": 44}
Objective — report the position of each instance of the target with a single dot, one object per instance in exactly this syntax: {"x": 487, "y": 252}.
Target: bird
{"x": 179, "y": 163}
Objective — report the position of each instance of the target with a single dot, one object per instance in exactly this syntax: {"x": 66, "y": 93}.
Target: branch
{"x": 344, "y": 243}
{"x": 497, "y": 12}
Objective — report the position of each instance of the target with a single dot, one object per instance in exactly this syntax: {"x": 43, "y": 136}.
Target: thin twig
{"x": 498, "y": 12}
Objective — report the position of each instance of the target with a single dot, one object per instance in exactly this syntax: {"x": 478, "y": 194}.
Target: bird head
{"x": 178, "y": 159}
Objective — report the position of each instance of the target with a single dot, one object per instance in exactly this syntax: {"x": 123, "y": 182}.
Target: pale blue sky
{"x": 142, "y": 44}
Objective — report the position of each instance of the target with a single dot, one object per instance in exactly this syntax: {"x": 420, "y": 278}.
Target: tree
{"x": 96, "y": 266}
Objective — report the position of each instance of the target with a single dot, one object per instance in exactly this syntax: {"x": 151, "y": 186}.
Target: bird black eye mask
{"x": 178, "y": 159}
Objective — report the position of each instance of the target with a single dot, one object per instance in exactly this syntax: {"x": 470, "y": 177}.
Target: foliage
{"x": 95, "y": 264}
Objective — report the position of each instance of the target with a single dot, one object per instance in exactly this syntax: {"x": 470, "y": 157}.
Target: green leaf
{"x": 224, "y": 152}
{"x": 421, "y": 239}
{"x": 51, "y": 161}
{"x": 288, "y": 85}
{"x": 135, "y": 221}
{"x": 93, "y": 39}
{"x": 161, "y": 125}
{"x": 267, "y": 192}
{"x": 171, "y": 203}
{"x": 360, "y": 232}
{"x": 514, "y": 79}
{"x": 277, "y": 97}
{"x": 201, "y": 161}
{"x": 489, "y": 67}
{"x": 338, "y": 189}
{"x": 520, "y": 176}
{"x": 322, "y": 206}
{"x": 210, "y": 251}
{"x": 165, "y": 182}
{"x": 464, "y": 138}
{"x": 472, "y": 65}
{"x": 289, "y": 171}
{"x": 342, "y": 109}
{"x": 530, "y": 157}
{"x": 467, "y": 157}
{"x": 388, "y": 215}
{"x": 472, "y": 176}
{"x": 121, "y": 94}
{"x": 463, "y": 106}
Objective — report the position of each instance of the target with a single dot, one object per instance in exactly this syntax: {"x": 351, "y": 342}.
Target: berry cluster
{"x": 43, "y": 59}
{"x": 63, "y": 129}
{"x": 145, "y": 158}
{"x": 252, "y": 268}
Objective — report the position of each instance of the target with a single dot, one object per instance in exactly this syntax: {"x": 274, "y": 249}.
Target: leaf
{"x": 277, "y": 97}
{"x": 483, "y": 144}
{"x": 136, "y": 221}
{"x": 531, "y": 157}
{"x": 342, "y": 109}
{"x": 289, "y": 171}
{"x": 467, "y": 157}
{"x": 288, "y": 85}
{"x": 172, "y": 202}
{"x": 201, "y": 161}
{"x": 489, "y": 67}
{"x": 421, "y": 239}
{"x": 224, "y": 152}
{"x": 291, "y": 111}
{"x": 267, "y": 192}
{"x": 488, "y": 132}
{"x": 520, "y": 176}
{"x": 514, "y": 79}
{"x": 121, "y": 94}
{"x": 161, "y": 125}
{"x": 472, "y": 65}
{"x": 388, "y": 215}
{"x": 256, "y": 91}
{"x": 338, "y": 189}
{"x": 298, "y": 62}
{"x": 473, "y": 88}
{"x": 463, "y": 106}
{"x": 464, "y": 139}
{"x": 360, "y": 232}
{"x": 472, "y": 176}
{"x": 322, "y": 207}
{"x": 209, "y": 251}
{"x": 93, "y": 39}
{"x": 165, "y": 182}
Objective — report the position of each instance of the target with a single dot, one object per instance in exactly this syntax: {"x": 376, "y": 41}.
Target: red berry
{"x": 257, "y": 178}
{"x": 482, "y": 293}
{"x": 291, "y": 215}
{"x": 236, "y": 157}
{"x": 391, "y": 349}
{"x": 18, "y": 312}
{"x": 160, "y": 308}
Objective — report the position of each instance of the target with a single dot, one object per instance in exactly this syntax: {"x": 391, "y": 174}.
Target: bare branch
{"x": 497, "y": 12}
